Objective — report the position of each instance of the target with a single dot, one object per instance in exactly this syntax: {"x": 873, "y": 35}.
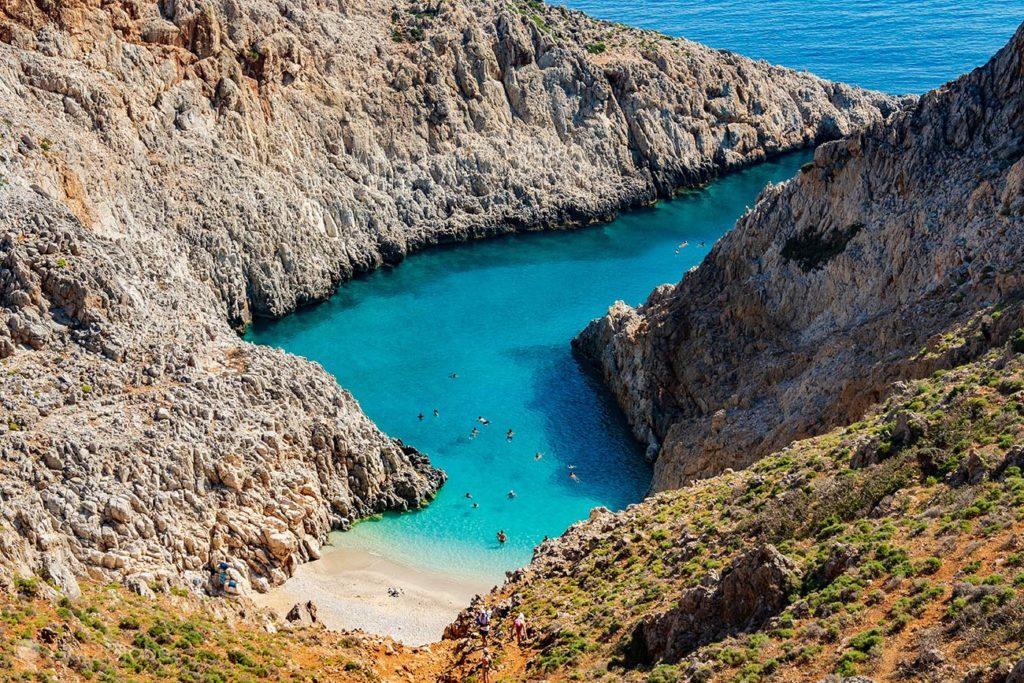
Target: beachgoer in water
{"x": 420, "y": 416}
{"x": 453, "y": 375}
{"x": 485, "y": 666}
{"x": 519, "y": 627}
{"x": 701, "y": 243}
{"x": 483, "y": 420}
{"x": 468, "y": 494}
{"x": 538, "y": 455}
{"x": 502, "y": 537}
{"x": 476, "y": 505}
{"x": 509, "y": 434}
{"x": 511, "y": 493}
{"x": 571, "y": 467}
{"x": 572, "y": 475}
{"x": 483, "y": 623}
{"x": 474, "y": 433}
{"x": 437, "y": 412}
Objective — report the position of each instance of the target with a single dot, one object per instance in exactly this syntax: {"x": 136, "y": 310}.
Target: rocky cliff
{"x": 834, "y": 285}
{"x": 891, "y": 549}
{"x": 170, "y": 169}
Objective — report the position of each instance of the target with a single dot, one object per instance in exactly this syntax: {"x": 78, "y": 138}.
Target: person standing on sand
{"x": 519, "y": 627}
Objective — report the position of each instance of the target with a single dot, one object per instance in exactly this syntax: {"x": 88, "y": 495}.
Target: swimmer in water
{"x": 538, "y": 455}
{"x": 453, "y": 375}
{"x": 468, "y": 494}
{"x": 437, "y": 412}
{"x": 502, "y": 537}
{"x": 572, "y": 475}
{"x": 483, "y": 420}
{"x": 511, "y": 494}
{"x": 509, "y": 434}
{"x": 420, "y": 416}
{"x": 473, "y": 433}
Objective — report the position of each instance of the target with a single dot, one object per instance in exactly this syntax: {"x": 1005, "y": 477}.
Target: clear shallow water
{"x": 897, "y": 46}
{"x": 500, "y": 313}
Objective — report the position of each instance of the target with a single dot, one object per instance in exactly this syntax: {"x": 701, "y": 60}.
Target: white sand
{"x": 350, "y": 589}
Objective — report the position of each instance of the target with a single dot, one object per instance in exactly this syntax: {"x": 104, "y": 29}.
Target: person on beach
{"x": 485, "y": 666}
{"x": 519, "y": 627}
{"x": 502, "y": 537}
{"x": 483, "y": 623}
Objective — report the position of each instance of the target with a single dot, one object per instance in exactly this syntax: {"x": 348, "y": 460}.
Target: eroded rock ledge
{"x": 172, "y": 169}
{"x": 834, "y": 285}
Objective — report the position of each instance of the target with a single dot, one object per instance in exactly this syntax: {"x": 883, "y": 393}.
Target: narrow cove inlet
{"x": 482, "y": 330}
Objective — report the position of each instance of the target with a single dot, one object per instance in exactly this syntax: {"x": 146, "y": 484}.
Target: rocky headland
{"x": 169, "y": 170}
{"x": 834, "y": 400}
{"x": 836, "y": 284}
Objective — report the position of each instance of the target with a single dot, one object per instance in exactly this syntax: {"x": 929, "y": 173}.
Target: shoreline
{"x": 350, "y": 589}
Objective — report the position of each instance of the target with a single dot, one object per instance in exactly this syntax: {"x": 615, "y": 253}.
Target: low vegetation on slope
{"x": 111, "y": 634}
{"x": 892, "y": 548}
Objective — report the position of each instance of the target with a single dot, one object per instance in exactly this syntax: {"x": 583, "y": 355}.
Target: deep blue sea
{"x": 500, "y": 313}
{"x": 897, "y": 46}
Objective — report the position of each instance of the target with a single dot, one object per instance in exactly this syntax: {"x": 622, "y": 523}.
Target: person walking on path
{"x": 485, "y": 666}
{"x": 519, "y": 627}
{"x": 483, "y": 623}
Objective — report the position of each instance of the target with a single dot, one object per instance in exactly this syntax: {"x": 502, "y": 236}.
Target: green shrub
{"x": 1017, "y": 340}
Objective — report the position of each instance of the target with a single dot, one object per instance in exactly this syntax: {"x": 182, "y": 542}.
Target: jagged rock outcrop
{"x": 289, "y": 146}
{"x": 140, "y": 435}
{"x": 834, "y": 285}
{"x": 754, "y": 587}
{"x": 168, "y": 170}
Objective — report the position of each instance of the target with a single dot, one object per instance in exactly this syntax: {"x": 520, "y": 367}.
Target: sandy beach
{"x": 350, "y": 589}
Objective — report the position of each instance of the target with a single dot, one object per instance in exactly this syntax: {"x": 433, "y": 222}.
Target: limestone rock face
{"x": 834, "y": 285}
{"x": 144, "y": 436}
{"x": 754, "y": 587}
{"x": 169, "y": 170}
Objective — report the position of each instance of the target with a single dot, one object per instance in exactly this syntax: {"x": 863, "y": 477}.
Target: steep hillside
{"x": 289, "y": 145}
{"x": 833, "y": 286}
{"x": 109, "y": 634}
{"x": 891, "y": 549}
{"x": 168, "y": 170}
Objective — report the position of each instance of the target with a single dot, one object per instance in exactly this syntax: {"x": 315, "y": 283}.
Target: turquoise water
{"x": 500, "y": 314}
{"x": 898, "y": 46}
